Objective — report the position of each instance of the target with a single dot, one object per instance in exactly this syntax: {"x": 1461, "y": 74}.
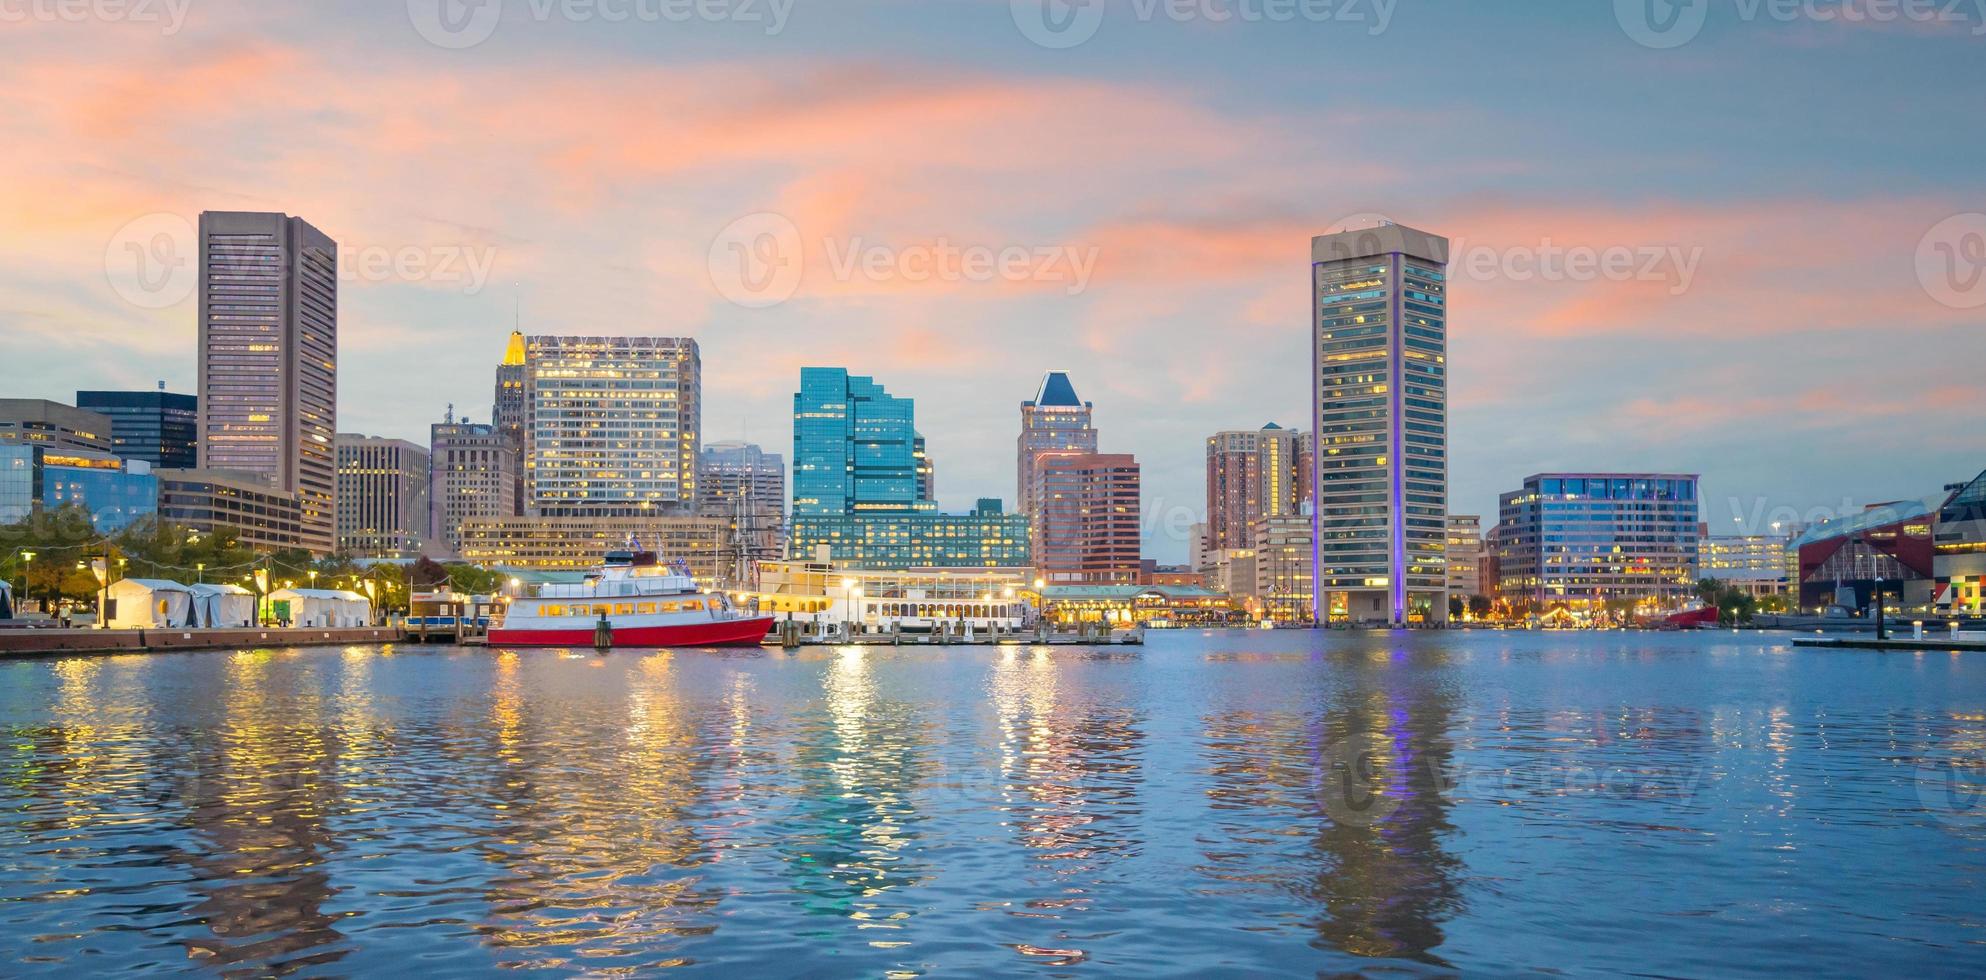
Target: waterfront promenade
{"x": 20, "y": 642}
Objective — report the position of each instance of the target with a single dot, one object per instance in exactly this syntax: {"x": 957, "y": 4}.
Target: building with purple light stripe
{"x": 1379, "y": 350}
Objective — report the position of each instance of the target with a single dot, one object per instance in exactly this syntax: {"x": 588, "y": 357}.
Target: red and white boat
{"x": 643, "y": 602}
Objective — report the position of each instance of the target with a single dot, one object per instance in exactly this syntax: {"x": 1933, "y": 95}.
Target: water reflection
{"x": 1336, "y": 796}
{"x": 1228, "y": 804}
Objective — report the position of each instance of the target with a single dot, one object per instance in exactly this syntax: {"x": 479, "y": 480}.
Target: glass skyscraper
{"x": 1380, "y": 411}
{"x": 1580, "y": 539}
{"x": 159, "y": 427}
{"x": 858, "y": 474}
{"x": 615, "y": 425}
{"x": 854, "y": 447}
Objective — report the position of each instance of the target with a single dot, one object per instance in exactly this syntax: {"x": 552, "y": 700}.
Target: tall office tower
{"x": 269, "y": 359}
{"x": 927, "y": 471}
{"x": 1379, "y": 344}
{"x": 854, "y": 447}
{"x": 1086, "y": 519}
{"x": 616, "y": 424}
{"x": 1465, "y": 556}
{"x": 158, "y": 427}
{"x": 473, "y": 479}
{"x": 1056, "y": 421}
{"x": 382, "y": 497}
{"x": 746, "y": 485}
{"x": 53, "y": 425}
{"x": 1250, "y": 475}
{"x": 1580, "y": 539}
{"x": 511, "y": 411}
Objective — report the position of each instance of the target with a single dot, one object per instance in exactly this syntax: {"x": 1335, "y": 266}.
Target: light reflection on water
{"x": 1239, "y": 802}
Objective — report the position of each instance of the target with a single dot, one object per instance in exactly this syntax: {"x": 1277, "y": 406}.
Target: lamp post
{"x": 27, "y": 565}
{"x": 199, "y": 571}
{"x": 100, "y": 567}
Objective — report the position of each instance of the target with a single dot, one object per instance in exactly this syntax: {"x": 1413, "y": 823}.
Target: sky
{"x": 1740, "y": 238}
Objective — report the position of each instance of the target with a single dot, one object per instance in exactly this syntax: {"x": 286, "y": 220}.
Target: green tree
{"x": 1481, "y": 606}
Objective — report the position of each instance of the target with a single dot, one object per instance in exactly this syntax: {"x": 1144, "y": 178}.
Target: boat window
{"x": 692, "y": 605}
{"x": 623, "y": 608}
{"x": 544, "y": 610}
{"x": 645, "y": 608}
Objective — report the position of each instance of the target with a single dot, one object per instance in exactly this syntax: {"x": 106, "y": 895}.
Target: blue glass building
{"x": 857, "y": 486}
{"x": 115, "y": 492}
{"x": 1579, "y": 539}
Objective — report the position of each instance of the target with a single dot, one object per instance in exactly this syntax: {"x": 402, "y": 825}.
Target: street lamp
{"x": 199, "y": 571}
{"x": 27, "y": 565}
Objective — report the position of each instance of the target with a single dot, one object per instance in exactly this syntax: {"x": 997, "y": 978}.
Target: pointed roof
{"x": 514, "y": 354}
{"x": 1057, "y": 390}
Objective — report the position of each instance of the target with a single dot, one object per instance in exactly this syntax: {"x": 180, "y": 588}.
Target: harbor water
{"x": 1236, "y": 803}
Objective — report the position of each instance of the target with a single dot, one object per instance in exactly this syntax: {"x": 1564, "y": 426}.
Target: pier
{"x": 19, "y": 642}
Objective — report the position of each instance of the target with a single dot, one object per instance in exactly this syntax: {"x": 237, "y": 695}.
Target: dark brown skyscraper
{"x": 269, "y": 359}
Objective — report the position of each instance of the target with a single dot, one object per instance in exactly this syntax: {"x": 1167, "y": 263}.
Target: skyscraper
{"x": 1056, "y": 421}
{"x": 269, "y": 359}
{"x": 1085, "y": 520}
{"x": 616, "y": 424}
{"x": 158, "y": 427}
{"x": 511, "y": 411}
{"x": 1465, "y": 557}
{"x": 858, "y": 484}
{"x": 1380, "y": 414}
{"x": 1251, "y": 475}
{"x": 382, "y": 496}
{"x": 741, "y": 483}
{"x": 473, "y": 477}
{"x": 854, "y": 447}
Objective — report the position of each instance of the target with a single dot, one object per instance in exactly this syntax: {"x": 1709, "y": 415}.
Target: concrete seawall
{"x": 41, "y": 642}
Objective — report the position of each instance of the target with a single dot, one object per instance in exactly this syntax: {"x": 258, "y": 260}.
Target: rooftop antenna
{"x": 449, "y": 419}
{"x": 161, "y": 384}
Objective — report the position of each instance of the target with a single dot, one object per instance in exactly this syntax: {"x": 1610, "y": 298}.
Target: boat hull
{"x": 724, "y": 633}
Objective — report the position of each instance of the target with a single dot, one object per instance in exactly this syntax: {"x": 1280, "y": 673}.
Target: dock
{"x": 792, "y": 635}
{"x": 41, "y": 642}
{"x": 1911, "y": 643}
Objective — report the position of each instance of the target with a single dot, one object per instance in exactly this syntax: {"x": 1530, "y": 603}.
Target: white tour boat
{"x": 644, "y": 603}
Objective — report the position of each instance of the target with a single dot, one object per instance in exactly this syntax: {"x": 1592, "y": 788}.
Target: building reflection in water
{"x": 258, "y": 793}
{"x": 1336, "y": 799}
{"x": 847, "y": 836}
{"x": 1070, "y": 770}
{"x": 594, "y": 824}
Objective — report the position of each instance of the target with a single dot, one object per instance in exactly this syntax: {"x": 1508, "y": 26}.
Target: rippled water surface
{"x": 1239, "y": 803}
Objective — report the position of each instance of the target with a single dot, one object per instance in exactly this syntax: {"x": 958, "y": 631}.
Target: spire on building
{"x": 513, "y": 355}
{"x": 1057, "y": 390}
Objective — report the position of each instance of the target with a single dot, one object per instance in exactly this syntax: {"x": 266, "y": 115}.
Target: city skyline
{"x": 1773, "y": 285}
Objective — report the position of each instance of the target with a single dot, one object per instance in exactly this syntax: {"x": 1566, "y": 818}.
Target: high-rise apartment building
{"x": 1085, "y": 522}
{"x": 1055, "y": 421}
{"x": 383, "y": 487}
{"x": 1580, "y": 539}
{"x": 159, "y": 427}
{"x": 1465, "y": 556}
{"x": 1379, "y": 345}
{"x": 1251, "y": 475}
{"x": 473, "y": 478}
{"x": 615, "y": 425}
{"x": 269, "y": 359}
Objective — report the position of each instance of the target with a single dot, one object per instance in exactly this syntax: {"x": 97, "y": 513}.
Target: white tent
{"x": 220, "y": 605}
{"x": 6, "y": 600}
{"x": 325, "y": 607}
{"x": 147, "y": 603}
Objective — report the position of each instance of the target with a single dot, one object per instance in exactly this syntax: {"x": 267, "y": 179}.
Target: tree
{"x": 1734, "y": 606}
{"x": 1709, "y": 589}
{"x": 1457, "y": 606}
{"x": 1481, "y": 606}
{"x": 60, "y": 537}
